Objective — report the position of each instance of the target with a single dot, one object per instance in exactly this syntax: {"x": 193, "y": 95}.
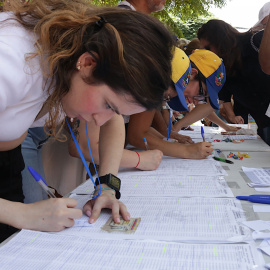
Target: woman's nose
{"x": 102, "y": 118}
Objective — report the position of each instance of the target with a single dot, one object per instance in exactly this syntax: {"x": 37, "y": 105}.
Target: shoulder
{"x": 21, "y": 81}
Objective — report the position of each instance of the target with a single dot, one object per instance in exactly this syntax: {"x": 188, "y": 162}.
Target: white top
{"x": 22, "y": 91}
{"x": 127, "y": 4}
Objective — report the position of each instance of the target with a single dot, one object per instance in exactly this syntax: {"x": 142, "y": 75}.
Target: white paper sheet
{"x": 176, "y": 166}
{"x": 175, "y": 219}
{"x": 265, "y": 189}
{"x": 258, "y": 225}
{"x": 171, "y": 185}
{"x": 258, "y": 177}
{"x": 261, "y": 208}
{"x": 265, "y": 247}
{"x": 168, "y": 186}
{"x": 36, "y": 250}
{"x": 241, "y": 137}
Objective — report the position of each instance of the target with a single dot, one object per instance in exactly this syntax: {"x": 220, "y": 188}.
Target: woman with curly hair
{"x": 65, "y": 58}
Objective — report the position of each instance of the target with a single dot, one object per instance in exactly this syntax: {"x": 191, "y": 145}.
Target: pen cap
{"x": 242, "y": 198}
{"x": 36, "y": 175}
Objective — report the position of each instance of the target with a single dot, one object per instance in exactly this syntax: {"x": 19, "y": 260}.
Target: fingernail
{"x": 88, "y": 213}
{"x": 128, "y": 217}
{"x": 91, "y": 221}
{"x": 118, "y": 220}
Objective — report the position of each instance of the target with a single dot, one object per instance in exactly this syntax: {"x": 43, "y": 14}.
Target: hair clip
{"x": 100, "y": 23}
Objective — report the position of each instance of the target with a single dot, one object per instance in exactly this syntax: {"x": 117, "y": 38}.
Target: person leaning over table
{"x": 143, "y": 160}
{"x": 246, "y": 81}
{"x": 148, "y": 160}
{"x": 75, "y": 60}
{"x": 207, "y": 78}
{"x": 148, "y": 7}
{"x": 139, "y": 126}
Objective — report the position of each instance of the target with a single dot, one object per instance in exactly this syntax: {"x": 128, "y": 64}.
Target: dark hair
{"x": 226, "y": 40}
{"x": 134, "y": 50}
{"x": 192, "y": 45}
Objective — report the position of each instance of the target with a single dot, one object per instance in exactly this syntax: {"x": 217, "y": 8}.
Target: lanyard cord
{"x": 83, "y": 159}
{"x": 169, "y": 125}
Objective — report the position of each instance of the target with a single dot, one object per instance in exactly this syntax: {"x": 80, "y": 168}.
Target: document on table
{"x": 168, "y": 186}
{"x": 196, "y": 135}
{"x": 259, "y": 177}
{"x": 51, "y": 251}
{"x": 174, "y": 219}
{"x": 175, "y": 186}
{"x": 176, "y": 166}
{"x": 241, "y": 137}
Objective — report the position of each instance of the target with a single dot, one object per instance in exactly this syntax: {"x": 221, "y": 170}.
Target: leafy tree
{"x": 190, "y": 27}
{"x": 185, "y": 10}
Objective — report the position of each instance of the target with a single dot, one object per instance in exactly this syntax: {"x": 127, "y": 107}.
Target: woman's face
{"x": 192, "y": 91}
{"x": 96, "y": 102}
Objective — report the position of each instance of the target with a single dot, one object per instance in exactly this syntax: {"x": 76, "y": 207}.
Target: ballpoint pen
{"x": 255, "y": 198}
{"x": 202, "y": 132}
{"x": 223, "y": 160}
{"x": 41, "y": 181}
{"x": 146, "y": 144}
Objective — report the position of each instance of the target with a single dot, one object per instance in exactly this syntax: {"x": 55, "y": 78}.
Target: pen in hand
{"x": 146, "y": 144}
{"x": 202, "y": 132}
{"x": 41, "y": 181}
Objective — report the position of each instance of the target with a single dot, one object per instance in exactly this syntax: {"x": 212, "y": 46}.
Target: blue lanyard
{"x": 83, "y": 159}
{"x": 169, "y": 125}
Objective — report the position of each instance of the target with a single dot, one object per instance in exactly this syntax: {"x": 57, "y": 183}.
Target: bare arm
{"x": 139, "y": 127}
{"x": 198, "y": 113}
{"x": 149, "y": 160}
{"x": 159, "y": 123}
{"x": 48, "y": 215}
{"x": 231, "y": 115}
{"x": 5, "y": 146}
{"x": 215, "y": 119}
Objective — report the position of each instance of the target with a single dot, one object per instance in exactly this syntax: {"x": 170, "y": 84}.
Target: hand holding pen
{"x": 41, "y": 182}
{"x": 49, "y": 215}
{"x": 202, "y": 133}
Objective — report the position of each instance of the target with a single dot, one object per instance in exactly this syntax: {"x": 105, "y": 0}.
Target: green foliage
{"x": 189, "y": 12}
{"x": 190, "y": 27}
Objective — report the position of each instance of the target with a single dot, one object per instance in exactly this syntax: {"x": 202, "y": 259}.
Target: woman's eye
{"x": 108, "y": 107}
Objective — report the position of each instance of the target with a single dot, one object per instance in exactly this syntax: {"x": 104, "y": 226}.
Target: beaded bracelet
{"x": 139, "y": 159}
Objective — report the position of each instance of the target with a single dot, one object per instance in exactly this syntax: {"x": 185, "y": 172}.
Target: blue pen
{"x": 202, "y": 132}
{"x": 41, "y": 181}
{"x": 146, "y": 144}
{"x": 255, "y": 198}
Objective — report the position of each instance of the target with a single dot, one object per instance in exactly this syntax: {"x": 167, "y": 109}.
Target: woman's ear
{"x": 87, "y": 62}
{"x": 194, "y": 72}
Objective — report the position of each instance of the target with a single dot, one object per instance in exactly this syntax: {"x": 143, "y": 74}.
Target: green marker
{"x": 223, "y": 160}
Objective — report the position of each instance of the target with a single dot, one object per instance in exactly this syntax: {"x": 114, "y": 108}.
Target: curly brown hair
{"x": 134, "y": 50}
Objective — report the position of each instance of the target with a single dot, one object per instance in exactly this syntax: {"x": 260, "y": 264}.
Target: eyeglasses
{"x": 202, "y": 98}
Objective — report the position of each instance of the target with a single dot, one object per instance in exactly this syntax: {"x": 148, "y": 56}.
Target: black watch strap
{"x": 111, "y": 181}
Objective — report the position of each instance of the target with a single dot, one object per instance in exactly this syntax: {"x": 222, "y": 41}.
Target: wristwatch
{"x": 111, "y": 181}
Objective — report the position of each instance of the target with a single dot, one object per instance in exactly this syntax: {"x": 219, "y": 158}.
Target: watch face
{"x": 116, "y": 182}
